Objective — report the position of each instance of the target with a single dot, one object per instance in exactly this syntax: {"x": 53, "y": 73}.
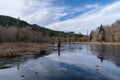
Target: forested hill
{"x": 16, "y": 30}
{"x": 106, "y": 33}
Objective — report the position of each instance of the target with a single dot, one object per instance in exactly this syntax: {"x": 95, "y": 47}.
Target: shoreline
{"x": 16, "y": 49}
{"x": 96, "y": 43}
{"x": 9, "y": 49}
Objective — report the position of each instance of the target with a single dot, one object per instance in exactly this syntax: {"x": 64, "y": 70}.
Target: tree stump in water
{"x": 59, "y": 46}
{"x": 59, "y": 43}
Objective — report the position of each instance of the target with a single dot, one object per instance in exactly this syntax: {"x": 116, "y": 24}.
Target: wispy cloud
{"x": 47, "y": 13}
{"x": 42, "y": 12}
{"x": 90, "y": 20}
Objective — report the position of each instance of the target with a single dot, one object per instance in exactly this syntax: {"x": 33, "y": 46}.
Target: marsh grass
{"x": 98, "y": 43}
{"x": 19, "y": 49}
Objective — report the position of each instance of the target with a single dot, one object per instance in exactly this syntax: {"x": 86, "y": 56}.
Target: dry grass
{"x": 18, "y": 49}
{"x": 98, "y": 43}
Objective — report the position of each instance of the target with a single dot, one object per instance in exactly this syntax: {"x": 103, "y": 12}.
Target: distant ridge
{"x": 39, "y": 33}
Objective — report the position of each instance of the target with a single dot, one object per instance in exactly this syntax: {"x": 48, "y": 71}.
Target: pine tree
{"x": 101, "y": 34}
{"x": 91, "y": 35}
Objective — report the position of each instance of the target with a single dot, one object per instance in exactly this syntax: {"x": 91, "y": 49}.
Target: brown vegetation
{"x": 106, "y": 33}
{"x": 16, "y": 30}
{"x": 18, "y": 49}
{"x": 97, "y": 43}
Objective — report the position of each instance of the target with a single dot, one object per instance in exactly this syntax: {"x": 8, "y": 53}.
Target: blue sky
{"x": 64, "y": 15}
{"x": 89, "y": 4}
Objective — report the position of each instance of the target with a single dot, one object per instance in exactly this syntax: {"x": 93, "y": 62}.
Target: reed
{"x": 18, "y": 49}
{"x": 98, "y": 43}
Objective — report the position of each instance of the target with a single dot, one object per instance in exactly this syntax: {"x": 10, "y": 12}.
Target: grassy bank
{"x": 18, "y": 49}
{"x": 97, "y": 43}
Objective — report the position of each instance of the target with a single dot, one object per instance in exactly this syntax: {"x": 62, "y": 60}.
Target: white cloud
{"x": 12, "y": 8}
{"x": 41, "y": 12}
{"x": 45, "y": 13}
{"x": 92, "y": 6}
{"x": 90, "y": 20}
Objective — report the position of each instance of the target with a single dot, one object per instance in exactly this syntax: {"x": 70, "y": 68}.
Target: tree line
{"x": 109, "y": 33}
{"x": 16, "y": 30}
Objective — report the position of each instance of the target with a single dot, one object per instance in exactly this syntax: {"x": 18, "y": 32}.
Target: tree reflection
{"x": 59, "y": 46}
{"x": 107, "y": 52}
{"x": 101, "y": 58}
{"x": 102, "y": 53}
{"x": 58, "y": 51}
{"x": 18, "y": 64}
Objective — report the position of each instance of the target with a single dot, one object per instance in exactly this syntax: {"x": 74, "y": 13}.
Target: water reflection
{"x": 58, "y": 51}
{"x": 59, "y": 46}
{"x": 107, "y": 52}
{"x": 78, "y": 62}
{"x": 101, "y": 58}
{"x": 12, "y": 62}
{"x": 18, "y": 64}
{"x": 101, "y": 53}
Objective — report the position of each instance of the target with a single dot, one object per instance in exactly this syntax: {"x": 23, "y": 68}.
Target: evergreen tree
{"x": 91, "y": 35}
{"x": 101, "y": 34}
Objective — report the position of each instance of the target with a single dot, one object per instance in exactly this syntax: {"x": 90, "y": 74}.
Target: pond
{"x": 72, "y": 62}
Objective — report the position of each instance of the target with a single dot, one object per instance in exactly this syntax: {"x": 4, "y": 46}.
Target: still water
{"x": 73, "y": 62}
